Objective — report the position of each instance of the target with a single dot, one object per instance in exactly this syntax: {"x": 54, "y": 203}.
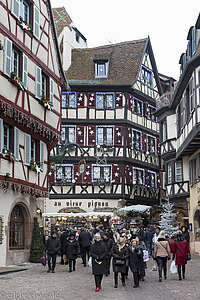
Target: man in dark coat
{"x": 63, "y": 240}
{"x": 149, "y": 237}
{"x": 119, "y": 252}
{"x": 84, "y": 242}
{"x": 71, "y": 251}
{"x": 52, "y": 248}
{"x": 108, "y": 243}
{"x": 98, "y": 254}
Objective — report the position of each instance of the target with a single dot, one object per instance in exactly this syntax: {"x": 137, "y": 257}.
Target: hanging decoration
{"x": 17, "y": 81}
{"x": 27, "y": 121}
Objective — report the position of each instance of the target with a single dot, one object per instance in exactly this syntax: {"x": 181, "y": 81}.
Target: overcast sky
{"x": 166, "y": 22}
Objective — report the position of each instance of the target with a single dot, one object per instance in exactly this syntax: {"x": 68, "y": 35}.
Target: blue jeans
{"x": 149, "y": 248}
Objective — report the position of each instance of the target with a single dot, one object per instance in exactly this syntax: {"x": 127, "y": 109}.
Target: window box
{"x": 25, "y": 25}
{"x": 7, "y": 155}
{"x": 17, "y": 81}
{"x": 35, "y": 166}
{"x": 46, "y": 103}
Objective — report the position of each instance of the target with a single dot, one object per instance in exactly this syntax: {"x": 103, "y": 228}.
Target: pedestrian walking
{"x": 84, "y": 242}
{"x": 52, "y": 248}
{"x": 108, "y": 243}
{"x": 142, "y": 247}
{"x": 136, "y": 261}
{"x": 119, "y": 253}
{"x": 181, "y": 251}
{"x": 63, "y": 240}
{"x": 98, "y": 254}
{"x": 149, "y": 237}
{"x": 71, "y": 251}
{"x": 162, "y": 254}
{"x": 185, "y": 234}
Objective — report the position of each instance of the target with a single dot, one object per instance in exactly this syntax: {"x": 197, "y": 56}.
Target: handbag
{"x": 44, "y": 260}
{"x": 119, "y": 262}
{"x": 145, "y": 255}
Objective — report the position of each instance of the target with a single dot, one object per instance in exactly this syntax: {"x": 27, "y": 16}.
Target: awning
{"x": 78, "y": 215}
{"x": 136, "y": 208}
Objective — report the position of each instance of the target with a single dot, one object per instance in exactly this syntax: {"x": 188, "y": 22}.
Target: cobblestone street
{"x": 35, "y": 283}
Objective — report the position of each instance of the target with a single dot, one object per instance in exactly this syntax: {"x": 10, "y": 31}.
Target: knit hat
{"x": 97, "y": 236}
{"x": 162, "y": 235}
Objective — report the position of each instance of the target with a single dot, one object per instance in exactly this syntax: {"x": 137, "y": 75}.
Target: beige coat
{"x": 161, "y": 248}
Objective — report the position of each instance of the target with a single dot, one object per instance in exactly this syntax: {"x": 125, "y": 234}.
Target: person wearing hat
{"x": 98, "y": 253}
{"x": 119, "y": 253}
{"x": 71, "y": 250}
{"x": 161, "y": 253}
{"x": 180, "y": 251}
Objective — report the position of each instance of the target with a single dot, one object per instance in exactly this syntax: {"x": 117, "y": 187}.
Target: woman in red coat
{"x": 180, "y": 251}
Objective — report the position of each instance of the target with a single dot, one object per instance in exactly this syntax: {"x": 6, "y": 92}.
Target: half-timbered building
{"x": 109, "y": 130}
{"x": 31, "y": 79}
{"x": 179, "y": 123}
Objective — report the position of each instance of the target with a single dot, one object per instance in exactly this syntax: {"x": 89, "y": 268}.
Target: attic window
{"x": 101, "y": 69}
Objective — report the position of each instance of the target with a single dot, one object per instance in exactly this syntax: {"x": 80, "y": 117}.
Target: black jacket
{"x": 84, "y": 239}
{"x": 108, "y": 243}
{"x": 136, "y": 258}
{"x": 53, "y": 245}
{"x": 116, "y": 254}
{"x": 63, "y": 239}
{"x": 98, "y": 253}
{"x": 71, "y": 249}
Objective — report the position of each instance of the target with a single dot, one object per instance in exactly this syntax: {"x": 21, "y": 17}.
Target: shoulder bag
{"x": 188, "y": 253}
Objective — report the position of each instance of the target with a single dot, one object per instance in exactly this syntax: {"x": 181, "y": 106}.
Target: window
{"x": 6, "y": 132}
{"x": 136, "y": 139}
{"x": 152, "y": 179}
{"x": 150, "y": 112}
{"x": 191, "y": 96}
{"x": 43, "y": 85}
{"x": 164, "y": 131}
{"x": 8, "y": 138}
{"x": 169, "y": 173}
{"x": 68, "y": 134}
{"x": 101, "y": 69}
{"x": 151, "y": 144}
{"x": 138, "y": 176}
{"x": 69, "y": 100}
{"x": 193, "y": 40}
{"x": 137, "y": 106}
{"x": 146, "y": 76}
{"x": 178, "y": 171}
{"x": 17, "y": 228}
{"x": 24, "y": 11}
{"x": 33, "y": 150}
{"x": 102, "y": 173}
{"x": 16, "y": 62}
{"x": 105, "y": 100}
{"x": 64, "y": 173}
{"x": 104, "y": 135}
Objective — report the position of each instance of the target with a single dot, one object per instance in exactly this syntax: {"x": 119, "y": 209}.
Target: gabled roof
{"x": 61, "y": 19}
{"x": 124, "y": 63}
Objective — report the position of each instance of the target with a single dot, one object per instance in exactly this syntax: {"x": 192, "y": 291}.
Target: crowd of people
{"x": 127, "y": 249}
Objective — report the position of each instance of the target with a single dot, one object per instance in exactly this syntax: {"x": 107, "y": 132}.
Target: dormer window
{"x": 101, "y": 69}
{"x": 193, "y": 40}
{"x": 146, "y": 76}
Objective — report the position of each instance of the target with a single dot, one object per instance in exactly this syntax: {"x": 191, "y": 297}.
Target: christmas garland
{"x": 21, "y": 118}
{"x": 25, "y": 25}
{"x": 46, "y": 103}
{"x": 7, "y": 155}
{"x": 17, "y": 81}
{"x": 23, "y": 189}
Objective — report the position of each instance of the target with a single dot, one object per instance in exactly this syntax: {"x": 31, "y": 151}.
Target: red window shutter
{"x": 144, "y": 142}
{"x": 91, "y": 100}
{"x": 129, "y": 175}
{"x": 78, "y": 178}
{"x": 118, "y": 100}
{"x": 80, "y": 100}
{"x": 52, "y": 177}
{"x": 87, "y": 175}
{"x": 146, "y": 178}
{"x": 130, "y": 102}
{"x": 118, "y": 135}
{"x": 129, "y": 136}
{"x": 145, "y": 104}
{"x": 92, "y": 135}
{"x": 158, "y": 146}
{"x": 80, "y": 135}
{"x": 116, "y": 174}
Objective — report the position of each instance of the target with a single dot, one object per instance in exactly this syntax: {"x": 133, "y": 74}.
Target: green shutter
{"x": 7, "y": 56}
{"x": 25, "y": 71}
{"x": 27, "y": 149}
{"x": 16, "y": 143}
{"x": 38, "y": 82}
{"x": 36, "y": 22}
{"x": 15, "y": 7}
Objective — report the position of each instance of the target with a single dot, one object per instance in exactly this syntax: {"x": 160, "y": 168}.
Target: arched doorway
{"x": 17, "y": 228}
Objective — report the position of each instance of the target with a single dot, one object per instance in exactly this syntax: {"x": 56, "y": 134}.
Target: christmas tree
{"x": 168, "y": 221}
{"x": 37, "y": 246}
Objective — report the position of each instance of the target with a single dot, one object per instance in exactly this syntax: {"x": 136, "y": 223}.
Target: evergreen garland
{"x": 37, "y": 246}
